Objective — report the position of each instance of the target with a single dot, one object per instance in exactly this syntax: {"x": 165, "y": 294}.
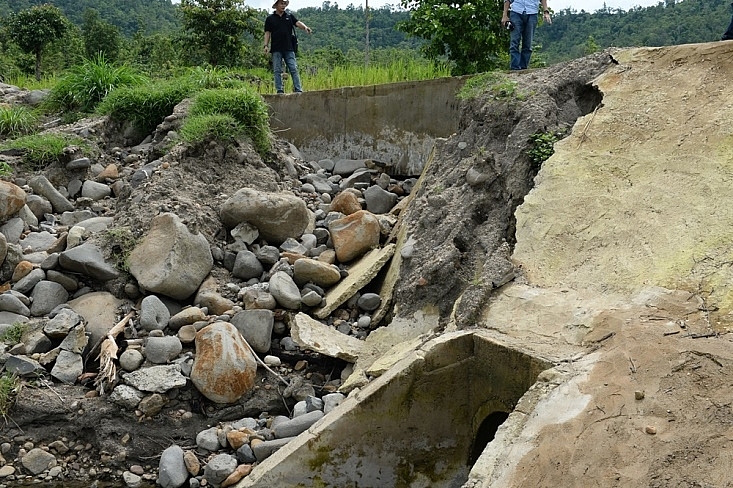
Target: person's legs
{"x": 515, "y": 36}
{"x": 529, "y": 25}
{"x": 728, "y": 34}
{"x": 277, "y": 67}
{"x": 292, "y": 65}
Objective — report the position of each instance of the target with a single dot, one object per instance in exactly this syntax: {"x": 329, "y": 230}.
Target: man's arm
{"x": 505, "y": 14}
{"x": 267, "y": 40}
{"x": 545, "y": 12}
{"x": 301, "y": 25}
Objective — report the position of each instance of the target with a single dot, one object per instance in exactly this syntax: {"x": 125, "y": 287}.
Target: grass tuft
{"x": 16, "y": 120}
{"x": 89, "y": 83}
{"x": 41, "y": 150}
{"x": 229, "y": 112}
{"x": 9, "y": 387}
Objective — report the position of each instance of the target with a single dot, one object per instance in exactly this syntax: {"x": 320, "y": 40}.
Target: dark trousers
{"x": 728, "y": 34}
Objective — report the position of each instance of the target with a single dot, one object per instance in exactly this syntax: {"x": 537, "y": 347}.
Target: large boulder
{"x": 170, "y": 260}
{"x": 354, "y": 235}
{"x": 12, "y": 199}
{"x": 224, "y": 368}
{"x": 276, "y": 215}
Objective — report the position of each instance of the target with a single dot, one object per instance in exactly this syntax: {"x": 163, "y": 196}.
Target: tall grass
{"x": 87, "y": 84}
{"x": 16, "y": 120}
{"x": 353, "y": 74}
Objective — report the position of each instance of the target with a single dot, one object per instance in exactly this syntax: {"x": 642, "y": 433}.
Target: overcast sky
{"x": 587, "y": 5}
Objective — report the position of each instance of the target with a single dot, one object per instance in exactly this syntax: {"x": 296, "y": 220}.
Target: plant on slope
{"x": 9, "y": 387}
{"x": 16, "y": 121}
{"x": 89, "y": 83}
{"x": 41, "y": 150}
{"x": 242, "y": 106}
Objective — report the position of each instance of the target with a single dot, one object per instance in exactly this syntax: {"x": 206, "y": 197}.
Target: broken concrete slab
{"x": 360, "y": 274}
{"x": 312, "y": 334}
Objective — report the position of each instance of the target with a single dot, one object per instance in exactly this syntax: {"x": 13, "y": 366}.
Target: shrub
{"x": 13, "y": 335}
{"x": 199, "y": 128}
{"x": 16, "y": 121}
{"x": 89, "y": 83}
{"x": 542, "y": 146}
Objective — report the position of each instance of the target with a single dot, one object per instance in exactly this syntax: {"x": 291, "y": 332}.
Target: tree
{"x": 468, "y": 32}
{"x": 34, "y": 28}
{"x": 218, "y": 27}
{"x": 100, "y": 37}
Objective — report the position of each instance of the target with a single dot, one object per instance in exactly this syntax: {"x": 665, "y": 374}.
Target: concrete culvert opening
{"x": 486, "y": 433}
{"x": 421, "y": 424}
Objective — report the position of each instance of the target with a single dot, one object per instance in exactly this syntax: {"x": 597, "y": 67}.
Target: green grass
{"x": 353, "y": 74}
{"x": 17, "y": 120}
{"x": 145, "y": 105}
{"x": 227, "y": 113}
{"x": 497, "y": 84}
{"x": 13, "y": 335}
{"x": 9, "y": 387}
{"x": 41, "y": 150}
{"x": 120, "y": 242}
{"x": 85, "y": 85}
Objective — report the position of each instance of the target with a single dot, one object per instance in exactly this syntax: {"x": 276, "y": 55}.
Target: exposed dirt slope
{"x": 624, "y": 246}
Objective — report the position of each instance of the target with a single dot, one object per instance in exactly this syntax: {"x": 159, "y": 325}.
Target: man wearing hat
{"x": 279, "y": 31}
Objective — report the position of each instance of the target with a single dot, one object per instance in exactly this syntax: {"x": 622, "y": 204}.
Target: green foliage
{"x": 16, "y": 120}
{"x": 120, "y": 242}
{"x": 217, "y": 27}
{"x": 13, "y": 335}
{"x": 34, "y": 28}
{"x": 100, "y": 37}
{"x": 5, "y": 169}
{"x": 542, "y": 146}
{"x": 201, "y": 128}
{"x": 87, "y": 84}
{"x": 496, "y": 83}
{"x": 145, "y": 105}
{"x": 245, "y": 107}
{"x": 9, "y": 388}
{"x": 41, "y": 150}
{"x": 467, "y": 32}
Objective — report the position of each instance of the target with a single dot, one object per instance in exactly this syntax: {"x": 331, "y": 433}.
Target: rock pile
{"x": 180, "y": 301}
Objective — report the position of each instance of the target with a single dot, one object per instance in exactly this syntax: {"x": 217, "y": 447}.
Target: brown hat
{"x": 274, "y": 5}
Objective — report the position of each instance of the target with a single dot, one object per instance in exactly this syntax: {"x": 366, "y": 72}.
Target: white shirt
{"x": 525, "y": 6}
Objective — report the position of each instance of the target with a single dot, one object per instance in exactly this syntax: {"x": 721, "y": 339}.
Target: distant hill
{"x": 668, "y": 23}
{"x": 572, "y": 34}
{"x": 130, "y": 16}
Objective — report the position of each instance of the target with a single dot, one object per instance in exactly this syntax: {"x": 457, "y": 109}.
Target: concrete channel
{"x": 421, "y": 424}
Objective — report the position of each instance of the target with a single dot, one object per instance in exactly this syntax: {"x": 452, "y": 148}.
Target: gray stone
{"x": 11, "y": 303}
{"x": 95, "y": 190}
{"x": 29, "y": 281}
{"x": 68, "y": 367}
{"x": 172, "y": 472}
{"x": 37, "y": 461}
{"x": 46, "y": 296}
{"x": 43, "y": 187}
{"x": 88, "y": 260}
{"x": 126, "y": 396}
{"x": 256, "y": 327}
{"x": 379, "y": 201}
{"x": 170, "y": 260}
{"x": 219, "y": 468}
{"x": 156, "y": 379}
{"x": 154, "y": 315}
{"x": 160, "y": 350}
{"x": 285, "y": 291}
{"x": 297, "y": 425}
{"x": 247, "y": 266}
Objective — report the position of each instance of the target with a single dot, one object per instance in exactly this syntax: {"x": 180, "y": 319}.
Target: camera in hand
{"x": 509, "y": 26}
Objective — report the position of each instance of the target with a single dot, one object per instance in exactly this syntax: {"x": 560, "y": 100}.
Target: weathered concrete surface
{"x": 625, "y": 244}
{"x": 404, "y": 420}
{"x": 394, "y": 123}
